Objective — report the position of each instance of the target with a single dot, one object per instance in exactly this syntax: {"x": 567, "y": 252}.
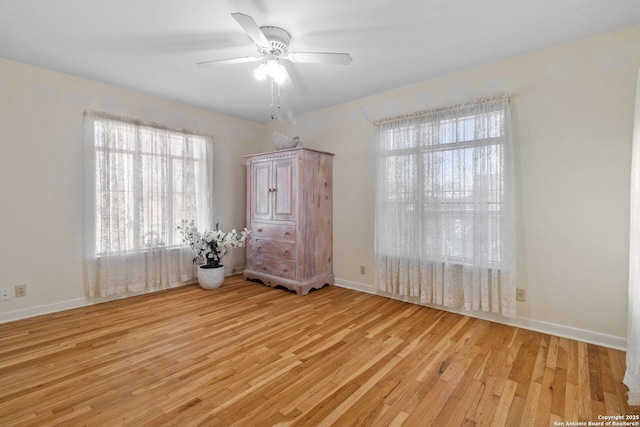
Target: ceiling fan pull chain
{"x": 272, "y": 98}
{"x": 278, "y": 96}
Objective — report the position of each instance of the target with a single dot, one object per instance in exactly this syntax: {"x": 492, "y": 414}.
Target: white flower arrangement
{"x": 212, "y": 246}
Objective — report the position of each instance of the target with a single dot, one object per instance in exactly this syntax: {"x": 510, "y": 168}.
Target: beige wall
{"x": 41, "y": 176}
{"x": 573, "y": 116}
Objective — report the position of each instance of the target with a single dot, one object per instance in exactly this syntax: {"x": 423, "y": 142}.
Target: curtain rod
{"x": 424, "y": 113}
{"x": 137, "y": 122}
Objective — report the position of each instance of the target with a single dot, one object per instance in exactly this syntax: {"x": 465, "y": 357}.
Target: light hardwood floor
{"x": 246, "y": 354}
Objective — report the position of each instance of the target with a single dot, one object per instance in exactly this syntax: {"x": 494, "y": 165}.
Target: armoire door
{"x": 285, "y": 181}
{"x": 261, "y": 203}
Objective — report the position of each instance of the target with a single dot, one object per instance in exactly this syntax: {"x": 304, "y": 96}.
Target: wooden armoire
{"x": 289, "y": 212}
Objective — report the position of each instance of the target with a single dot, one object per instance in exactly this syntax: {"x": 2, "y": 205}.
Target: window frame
{"x": 200, "y": 157}
{"x": 419, "y": 150}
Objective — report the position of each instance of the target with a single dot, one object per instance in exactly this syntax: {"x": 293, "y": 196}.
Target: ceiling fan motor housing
{"x": 278, "y": 38}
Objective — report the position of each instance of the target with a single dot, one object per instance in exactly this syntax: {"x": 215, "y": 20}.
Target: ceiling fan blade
{"x": 251, "y": 28}
{"x": 320, "y": 57}
{"x": 239, "y": 60}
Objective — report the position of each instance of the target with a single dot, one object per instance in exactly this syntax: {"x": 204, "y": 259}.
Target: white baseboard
{"x": 42, "y": 309}
{"x": 563, "y": 331}
{"x": 356, "y": 286}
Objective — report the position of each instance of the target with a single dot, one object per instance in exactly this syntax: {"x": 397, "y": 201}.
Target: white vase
{"x": 210, "y": 278}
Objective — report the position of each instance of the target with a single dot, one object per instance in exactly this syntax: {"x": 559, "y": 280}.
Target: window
{"x": 141, "y": 181}
{"x": 437, "y": 171}
{"x": 445, "y": 222}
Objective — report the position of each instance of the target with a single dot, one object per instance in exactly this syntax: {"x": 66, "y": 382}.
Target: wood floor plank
{"x": 531, "y": 404}
{"x": 558, "y": 392}
{"x": 488, "y": 405}
{"x": 543, "y": 411}
{"x": 504, "y": 404}
{"x": 247, "y": 354}
{"x": 584, "y": 385}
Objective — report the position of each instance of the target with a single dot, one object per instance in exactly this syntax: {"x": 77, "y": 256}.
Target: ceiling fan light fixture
{"x": 260, "y": 73}
{"x": 271, "y": 68}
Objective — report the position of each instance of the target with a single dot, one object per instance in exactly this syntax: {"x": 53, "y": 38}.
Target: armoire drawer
{"x": 261, "y": 230}
{"x": 285, "y": 251}
{"x": 272, "y": 266}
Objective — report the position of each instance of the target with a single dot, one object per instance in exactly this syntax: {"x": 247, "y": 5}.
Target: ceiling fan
{"x": 273, "y": 44}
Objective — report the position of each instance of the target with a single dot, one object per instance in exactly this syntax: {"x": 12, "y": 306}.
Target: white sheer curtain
{"x": 140, "y": 181}
{"x": 632, "y": 376}
{"x": 445, "y": 221}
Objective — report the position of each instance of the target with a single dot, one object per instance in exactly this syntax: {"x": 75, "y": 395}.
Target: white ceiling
{"x": 152, "y": 46}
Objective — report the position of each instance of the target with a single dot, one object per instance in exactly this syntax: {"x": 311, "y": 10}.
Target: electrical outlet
{"x": 520, "y": 294}
{"x": 20, "y": 291}
{"x": 5, "y": 295}
{"x": 363, "y": 270}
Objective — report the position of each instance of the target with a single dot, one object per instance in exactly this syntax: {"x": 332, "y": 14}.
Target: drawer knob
{"x": 286, "y": 233}
{"x": 259, "y": 230}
